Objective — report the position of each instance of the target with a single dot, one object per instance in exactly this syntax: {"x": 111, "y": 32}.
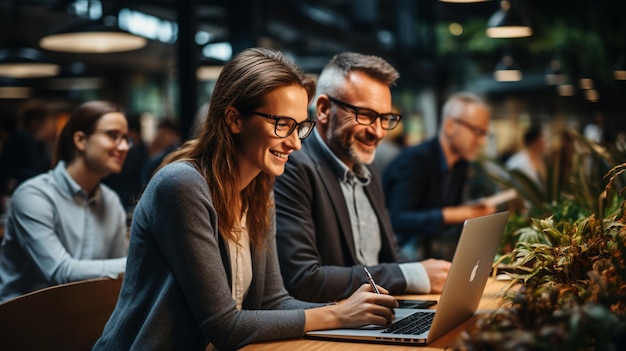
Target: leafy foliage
{"x": 571, "y": 264}
{"x": 540, "y": 322}
{"x": 574, "y": 187}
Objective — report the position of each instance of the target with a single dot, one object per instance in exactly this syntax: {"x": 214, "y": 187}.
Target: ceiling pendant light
{"x": 507, "y": 71}
{"x": 75, "y": 76}
{"x": 92, "y": 37}
{"x": 14, "y": 89}
{"x": 566, "y": 89}
{"x": 24, "y": 62}
{"x": 619, "y": 71}
{"x": 508, "y": 22}
{"x": 592, "y": 95}
{"x": 585, "y": 83}
{"x": 554, "y": 74}
{"x": 19, "y": 61}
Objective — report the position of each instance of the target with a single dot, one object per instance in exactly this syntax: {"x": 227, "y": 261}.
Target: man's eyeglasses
{"x": 477, "y": 131}
{"x": 284, "y": 126}
{"x": 116, "y": 136}
{"x": 366, "y": 116}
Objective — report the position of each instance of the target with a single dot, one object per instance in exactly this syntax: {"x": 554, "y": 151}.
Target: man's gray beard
{"x": 347, "y": 150}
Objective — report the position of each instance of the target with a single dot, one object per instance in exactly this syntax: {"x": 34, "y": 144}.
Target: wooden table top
{"x": 491, "y": 300}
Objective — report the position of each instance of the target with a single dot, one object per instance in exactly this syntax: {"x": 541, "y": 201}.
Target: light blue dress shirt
{"x": 365, "y": 226}
{"x": 56, "y": 233}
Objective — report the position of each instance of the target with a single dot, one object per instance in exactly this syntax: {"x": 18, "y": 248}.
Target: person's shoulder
{"x": 179, "y": 174}
{"x": 39, "y": 183}
{"x": 305, "y": 156}
{"x": 408, "y": 154}
{"x": 425, "y": 147}
{"x": 409, "y": 160}
{"x": 176, "y": 170}
{"x": 428, "y": 146}
{"x": 34, "y": 192}
{"x": 181, "y": 168}
{"x": 519, "y": 159}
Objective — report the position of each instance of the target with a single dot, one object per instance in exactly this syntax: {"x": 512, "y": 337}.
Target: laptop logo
{"x": 473, "y": 274}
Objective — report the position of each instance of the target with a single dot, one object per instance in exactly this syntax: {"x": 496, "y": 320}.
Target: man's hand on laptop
{"x": 437, "y": 273}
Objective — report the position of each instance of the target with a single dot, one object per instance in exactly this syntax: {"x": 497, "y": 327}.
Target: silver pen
{"x": 371, "y": 280}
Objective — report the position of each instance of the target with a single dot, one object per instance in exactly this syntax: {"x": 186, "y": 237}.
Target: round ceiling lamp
{"x": 619, "y": 70}
{"x": 24, "y": 62}
{"x": 554, "y": 75}
{"x": 91, "y": 37}
{"x": 507, "y": 70}
{"x": 14, "y": 89}
{"x": 507, "y": 22}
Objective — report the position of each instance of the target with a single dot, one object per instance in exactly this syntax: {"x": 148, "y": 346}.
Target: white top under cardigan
{"x": 240, "y": 264}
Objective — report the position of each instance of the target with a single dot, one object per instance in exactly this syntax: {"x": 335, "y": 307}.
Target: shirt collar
{"x": 68, "y": 184}
{"x": 360, "y": 175}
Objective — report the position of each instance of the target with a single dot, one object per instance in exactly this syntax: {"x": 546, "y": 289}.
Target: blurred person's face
{"x": 105, "y": 150}
{"x": 354, "y": 143}
{"x": 260, "y": 149}
{"x": 164, "y": 138}
{"x": 540, "y": 145}
{"x": 467, "y": 132}
{"x": 46, "y": 131}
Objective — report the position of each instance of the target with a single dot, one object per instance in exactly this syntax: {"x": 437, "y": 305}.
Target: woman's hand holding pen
{"x": 363, "y": 307}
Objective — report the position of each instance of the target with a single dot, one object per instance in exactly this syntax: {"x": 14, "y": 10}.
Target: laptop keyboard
{"x": 415, "y": 324}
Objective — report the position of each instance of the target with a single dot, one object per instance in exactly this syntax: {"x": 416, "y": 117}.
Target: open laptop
{"x": 459, "y": 299}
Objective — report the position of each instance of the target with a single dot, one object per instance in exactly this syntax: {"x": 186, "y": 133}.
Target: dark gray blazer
{"x": 176, "y": 293}
{"x": 314, "y": 236}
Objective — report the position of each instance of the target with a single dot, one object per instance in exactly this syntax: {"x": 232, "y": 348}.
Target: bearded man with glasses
{"x": 425, "y": 185}
{"x": 330, "y": 212}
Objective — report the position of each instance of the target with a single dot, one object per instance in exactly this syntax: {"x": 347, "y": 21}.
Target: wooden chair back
{"x": 62, "y": 317}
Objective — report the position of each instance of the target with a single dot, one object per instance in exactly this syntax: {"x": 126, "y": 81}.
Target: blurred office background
{"x": 566, "y": 68}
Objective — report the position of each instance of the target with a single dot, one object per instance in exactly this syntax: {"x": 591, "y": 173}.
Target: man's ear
{"x": 448, "y": 126}
{"x": 322, "y": 109}
{"x": 80, "y": 140}
{"x": 233, "y": 119}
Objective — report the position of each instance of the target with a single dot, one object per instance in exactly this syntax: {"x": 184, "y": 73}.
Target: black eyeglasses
{"x": 116, "y": 136}
{"x": 366, "y": 116}
{"x": 284, "y": 126}
{"x": 477, "y": 131}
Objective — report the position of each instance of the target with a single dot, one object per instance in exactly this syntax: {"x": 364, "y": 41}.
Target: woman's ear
{"x": 80, "y": 140}
{"x": 233, "y": 119}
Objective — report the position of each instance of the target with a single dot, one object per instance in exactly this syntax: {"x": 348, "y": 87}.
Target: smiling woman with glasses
{"x": 366, "y": 116}
{"x": 65, "y": 225}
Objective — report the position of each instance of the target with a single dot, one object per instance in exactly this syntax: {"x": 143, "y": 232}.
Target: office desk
{"x": 490, "y": 300}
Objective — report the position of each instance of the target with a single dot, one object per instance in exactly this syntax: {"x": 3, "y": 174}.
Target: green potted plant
{"x": 568, "y": 290}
